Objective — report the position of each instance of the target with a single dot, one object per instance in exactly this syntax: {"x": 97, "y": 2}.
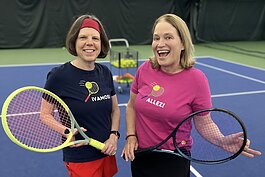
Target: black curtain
{"x": 35, "y": 23}
{"x": 44, "y": 23}
{"x": 229, "y": 20}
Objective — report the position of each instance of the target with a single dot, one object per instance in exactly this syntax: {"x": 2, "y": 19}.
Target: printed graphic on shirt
{"x": 92, "y": 88}
{"x": 156, "y": 102}
{"x": 157, "y": 91}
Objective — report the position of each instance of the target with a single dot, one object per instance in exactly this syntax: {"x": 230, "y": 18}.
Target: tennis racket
{"x": 92, "y": 88}
{"x": 156, "y": 91}
{"x": 26, "y": 124}
{"x": 217, "y": 136}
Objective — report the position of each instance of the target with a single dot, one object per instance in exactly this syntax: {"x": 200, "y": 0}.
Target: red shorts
{"x": 105, "y": 167}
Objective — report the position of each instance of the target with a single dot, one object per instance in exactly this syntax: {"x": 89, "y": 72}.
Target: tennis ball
{"x": 88, "y": 85}
{"x": 156, "y": 87}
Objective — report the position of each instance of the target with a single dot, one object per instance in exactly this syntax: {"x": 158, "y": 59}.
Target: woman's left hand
{"x": 250, "y": 152}
{"x": 233, "y": 143}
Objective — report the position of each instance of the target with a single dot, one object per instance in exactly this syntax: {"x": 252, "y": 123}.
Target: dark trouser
{"x": 160, "y": 165}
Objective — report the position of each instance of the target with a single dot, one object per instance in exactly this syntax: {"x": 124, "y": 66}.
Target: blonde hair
{"x": 186, "y": 56}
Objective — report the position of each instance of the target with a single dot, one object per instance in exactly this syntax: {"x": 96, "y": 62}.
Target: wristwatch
{"x": 117, "y": 133}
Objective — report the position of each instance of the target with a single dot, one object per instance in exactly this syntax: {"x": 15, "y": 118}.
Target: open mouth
{"x": 163, "y": 53}
{"x": 88, "y": 50}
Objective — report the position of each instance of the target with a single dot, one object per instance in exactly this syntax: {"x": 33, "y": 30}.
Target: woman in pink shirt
{"x": 166, "y": 89}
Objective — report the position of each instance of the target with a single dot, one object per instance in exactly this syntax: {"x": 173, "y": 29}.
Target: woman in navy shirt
{"x": 87, "y": 88}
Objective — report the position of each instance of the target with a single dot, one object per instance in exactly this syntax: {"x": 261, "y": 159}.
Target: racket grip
{"x": 96, "y": 144}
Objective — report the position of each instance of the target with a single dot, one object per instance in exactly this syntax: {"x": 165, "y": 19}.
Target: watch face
{"x": 116, "y": 133}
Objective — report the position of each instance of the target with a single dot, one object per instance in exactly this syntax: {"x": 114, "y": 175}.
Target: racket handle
{"x": 96, "y": 144}
{"x": 87, "y": 98}
{"x": 144, "y": 96}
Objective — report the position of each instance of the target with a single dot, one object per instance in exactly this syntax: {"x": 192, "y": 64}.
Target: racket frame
{"x": 178, "y": 151}
{"x": 74, "y": 124}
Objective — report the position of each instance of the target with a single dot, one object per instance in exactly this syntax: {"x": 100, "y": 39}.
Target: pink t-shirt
{"x": 163, "y": 100}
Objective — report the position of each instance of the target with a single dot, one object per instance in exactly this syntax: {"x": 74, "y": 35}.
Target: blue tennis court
{"x": 234, "y": 86}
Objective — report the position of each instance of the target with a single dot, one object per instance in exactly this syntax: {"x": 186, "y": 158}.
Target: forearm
{"x": 48, "y": 120}
{"x": 46, "y": 115}
{"x": 115, "y": 120}
{"x": 209, "y": 130}
{"x": 115, "y": 116}
{"x": 130, "y": 121}
{"x": 211, "y": 133}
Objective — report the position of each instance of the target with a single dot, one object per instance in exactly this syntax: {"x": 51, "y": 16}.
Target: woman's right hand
{"x": 129, "y": 148}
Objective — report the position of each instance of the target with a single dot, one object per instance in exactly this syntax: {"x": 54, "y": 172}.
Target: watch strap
{"x": 117, "y": 133}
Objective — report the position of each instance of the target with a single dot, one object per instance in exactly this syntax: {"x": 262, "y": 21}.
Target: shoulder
{"x": 102, "y": 67}
{"x": 196, "y": 76}
{"x": 59, "y": 69}
{"x": 195, "y": 72}
{"x": 146, "y": 65}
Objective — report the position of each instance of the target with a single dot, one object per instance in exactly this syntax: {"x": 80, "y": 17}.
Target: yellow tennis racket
{"x": 92, "y": 88}
{"x": 26, "y": 122}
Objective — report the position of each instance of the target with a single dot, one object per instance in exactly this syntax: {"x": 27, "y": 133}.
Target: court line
{"x": 228, "y": 61}
{"x": 232, "y": 73}
{"x": 49, "y": 64}
{"x": 238, "y": 93}
{"x": 195, "y": 172}
{"x": 221, "y": 95}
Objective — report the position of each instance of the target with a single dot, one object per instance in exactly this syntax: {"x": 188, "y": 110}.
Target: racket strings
{"x": 157, "y": 93}
{"x": 94, "y": 89}
{"x": 60, "y": 115}
{"x": 215, "y": 139}
{"x": 25, "y": 123}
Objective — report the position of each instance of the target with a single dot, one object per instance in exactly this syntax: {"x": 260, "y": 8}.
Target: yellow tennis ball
{"x": 88, "y": 85}
{"x": 156, "y": 87}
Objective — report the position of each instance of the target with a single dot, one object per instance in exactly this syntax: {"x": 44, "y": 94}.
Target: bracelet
{"x": 129, "y": 136}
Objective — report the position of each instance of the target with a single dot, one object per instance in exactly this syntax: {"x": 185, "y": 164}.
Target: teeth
{"x": 88, "y": 50}
{"x": 162, "y": 51}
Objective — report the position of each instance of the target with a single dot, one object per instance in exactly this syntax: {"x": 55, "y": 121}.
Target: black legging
{"x": 160, "y": 165}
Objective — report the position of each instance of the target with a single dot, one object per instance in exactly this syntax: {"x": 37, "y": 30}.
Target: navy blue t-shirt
{"x": 72, "y": 85}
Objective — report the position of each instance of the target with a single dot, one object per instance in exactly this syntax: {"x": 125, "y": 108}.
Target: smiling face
{"x": 88, "y": 44}
{"x": 167, "y": 46}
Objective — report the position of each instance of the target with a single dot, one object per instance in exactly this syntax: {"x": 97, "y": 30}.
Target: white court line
{"x": 232, "y": 73}
{"x": 238, "y": 93}
{"x": 228, "y": 61}
{"x": 222, "y": 95}
{"x": 123, "y": 104}
{"x": 195, "y": 172}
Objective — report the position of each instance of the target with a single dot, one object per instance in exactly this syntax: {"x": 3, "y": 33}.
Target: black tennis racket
{"x": 217, "y": 136}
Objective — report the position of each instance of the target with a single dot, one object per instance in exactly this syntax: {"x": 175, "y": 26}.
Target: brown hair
{"x": 74, "y": 31}
{"x": 186, "y": 56}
